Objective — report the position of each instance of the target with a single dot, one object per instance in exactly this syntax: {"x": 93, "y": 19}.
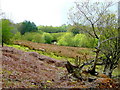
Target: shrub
{"x": 66, "y": 40}
{"x": 48, "y": 37}
{"x": 82, "y": 40}
{"x": 56, "y": 36}
{"x": 27, "y": 36}
{"x": 38, "y": 38}
{"x": 17, "y": 36}
{"x": 34, "y": 37}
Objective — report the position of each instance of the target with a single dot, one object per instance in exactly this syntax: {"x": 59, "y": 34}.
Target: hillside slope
{"x": 32, "y": 70}
{"x": 29, "y": 69}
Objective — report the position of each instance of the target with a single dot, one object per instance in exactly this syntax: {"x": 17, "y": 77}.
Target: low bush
{"x": 66, "y": 40}
{"x": 34, "y": 37}
{"x": 82, "y": 40}
{"x": 48, "y": 38}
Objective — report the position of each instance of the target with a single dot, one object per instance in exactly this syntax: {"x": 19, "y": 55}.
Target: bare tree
{"x": 103, "y": 27}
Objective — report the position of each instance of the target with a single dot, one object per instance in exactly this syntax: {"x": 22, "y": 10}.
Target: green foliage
{"x": 48, "y": 37}
{"x": 82, "y": 40}
{"x": 27, "y": 26}
{"x": 73, "y": 29}
{"x": 40, "y": 32}
{"x": 56, "y": 36}
{"x": 27, "y": 36}
{"x": 34, "y": 37}
{"x": 38, "y": 38}
{"x": 14, "y": 30}
{"x": 6, "y": 31}
{"x": 70, "y": 38}
{"x": 17, "y": 36}
{"x": 79, "y": 40}
{"x": 51, "y": 29}
{"x": 66, "y": 40}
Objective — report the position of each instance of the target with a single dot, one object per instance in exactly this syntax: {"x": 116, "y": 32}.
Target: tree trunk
{"x": 92, "y": 71}
{"x": 2, "y": 43}
{"x": 74, "y": 70}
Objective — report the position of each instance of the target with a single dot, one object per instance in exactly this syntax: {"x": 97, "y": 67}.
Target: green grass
{"x": 19, "y": 47}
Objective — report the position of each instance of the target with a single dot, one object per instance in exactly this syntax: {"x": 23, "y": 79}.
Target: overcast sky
{"x": 41, "y": 12}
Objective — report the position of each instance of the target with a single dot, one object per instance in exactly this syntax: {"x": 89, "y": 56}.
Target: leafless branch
{"x": 109, "y": 39}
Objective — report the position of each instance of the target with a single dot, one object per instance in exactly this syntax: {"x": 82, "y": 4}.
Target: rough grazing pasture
{"x": 63, "y": 51}
{"x": 31, "y": 70}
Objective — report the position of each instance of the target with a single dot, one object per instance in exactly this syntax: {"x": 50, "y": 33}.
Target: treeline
{"x": 66, "y": 35}
{"x": 51, "y": 29}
